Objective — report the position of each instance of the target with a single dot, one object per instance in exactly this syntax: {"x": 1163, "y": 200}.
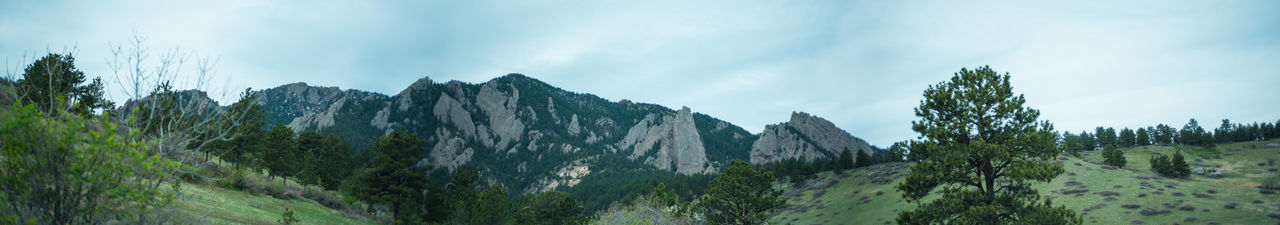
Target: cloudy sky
{"x": 860, "y": 64}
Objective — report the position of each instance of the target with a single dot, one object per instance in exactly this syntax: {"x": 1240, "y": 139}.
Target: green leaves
{"x": 64, "y": 169}
{"x": 982, "y": 147}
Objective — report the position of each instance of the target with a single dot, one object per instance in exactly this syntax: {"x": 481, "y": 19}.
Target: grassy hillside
{"x": 1103, "y": 195}
{"x": 215, "y": 205}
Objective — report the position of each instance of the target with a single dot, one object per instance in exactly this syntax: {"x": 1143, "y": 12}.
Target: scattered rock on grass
{"x": 1076, "y": 191}
{"x": 1230, "y": 205}
{"x": 1131, "y": 206}
{"x": 1152, "y": 212}
{"x": 1187, "y": 208}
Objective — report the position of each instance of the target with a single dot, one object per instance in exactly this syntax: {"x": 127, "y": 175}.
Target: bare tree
{"x": 179, "y": 124}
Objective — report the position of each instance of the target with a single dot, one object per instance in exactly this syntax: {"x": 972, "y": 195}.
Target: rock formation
{"x": 804, "y": 136}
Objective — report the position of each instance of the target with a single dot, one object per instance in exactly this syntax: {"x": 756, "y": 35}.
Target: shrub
{"x": 326, "y": 198}
{"x": 1113, "y": 157}
{"x": 58, "y": 168}
{"x": 1170, "y": 167}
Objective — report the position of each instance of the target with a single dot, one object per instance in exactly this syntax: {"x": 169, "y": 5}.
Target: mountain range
{"x": 532, "y": 136}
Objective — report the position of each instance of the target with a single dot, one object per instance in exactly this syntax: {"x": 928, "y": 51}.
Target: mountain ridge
{"x": 521, "y": 131}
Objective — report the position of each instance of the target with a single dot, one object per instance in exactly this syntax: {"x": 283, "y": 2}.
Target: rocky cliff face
{"x": 669, "y": 142}
{"x": 521, "y": 132}
{"x": 804, "y": 136}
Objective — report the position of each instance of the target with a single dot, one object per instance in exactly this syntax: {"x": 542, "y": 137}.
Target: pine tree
{"x": 1113, "y": 156}
{"x": 1160, "y": 163}
{"x": 310, "y": 148}
{"x": 741, "y": 194}
{"x": 395, "y": 179}
{"x": 279, "y": 156}
{"x": 1179, "y": 165}
{"x": 1143, "y": 138}
{"x": 846, "y": 160}
{"x": 462, "y": 190}
{"x": 863, "y": 160}
{"x": 334, "y": 163}
{"x": 1088, "y": 141}
{"x": 974, "y": 128}
{"x": 247, "y": 138}
{"x": 55, "y": 76}
{"x": 1192, "y": 134}
{"x": 492, "y": 207}
{"x": 1126, "y": 139}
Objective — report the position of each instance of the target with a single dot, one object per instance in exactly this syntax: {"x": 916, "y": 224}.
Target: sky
{"x": 861, "y": 64}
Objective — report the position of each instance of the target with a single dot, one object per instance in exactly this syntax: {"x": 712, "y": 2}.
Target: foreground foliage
{"x": 64, "y": 169}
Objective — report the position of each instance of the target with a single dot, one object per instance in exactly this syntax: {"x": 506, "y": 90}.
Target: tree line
{"x": 1190, "y": 134}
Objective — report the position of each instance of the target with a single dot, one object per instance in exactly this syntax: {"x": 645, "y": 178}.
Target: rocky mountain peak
{"x": 804, "y": 136}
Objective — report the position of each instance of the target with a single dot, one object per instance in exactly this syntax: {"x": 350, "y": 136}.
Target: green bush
{"x": 59, "y": 168}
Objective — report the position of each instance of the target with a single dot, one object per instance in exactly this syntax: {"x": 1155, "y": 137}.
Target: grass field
{"x": 1103, "y": 195}
{"x": 208, "y": 204}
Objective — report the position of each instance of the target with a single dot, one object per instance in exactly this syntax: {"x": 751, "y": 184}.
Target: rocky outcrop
{"x": 678, "y": 146}
{"x": 501, "y": 106}
{"x": 451, "y": 111}
{"x": 804, "y": 136}
{"x": 448, "y": 151}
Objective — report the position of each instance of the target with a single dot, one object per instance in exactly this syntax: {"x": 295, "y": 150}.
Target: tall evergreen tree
{"x": 462, "y": 191}
{"x": 395, "y": 179}
{"x": 846, "y": 160}
{"x": 1071, "y": 143}
{"x": 1142, "y": 137}
{"x": 1127, "y": 139}
{"x": 279, "y": 156}
{"x": 335, "y": 162}
{"x": 1088, "y": 141}
{"x": 1225, "y": 133}
{"x": 310, "y": 145}
{"x": 1164, "y": 134}
{"x": 1106, "y": 136}
{"x": 1192, "y": 134}
{"x": 985, "y": 149}
{"x": 247, "y": 138}
{"x": 492, "y": 207}
{"x": 863, "y": 160}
